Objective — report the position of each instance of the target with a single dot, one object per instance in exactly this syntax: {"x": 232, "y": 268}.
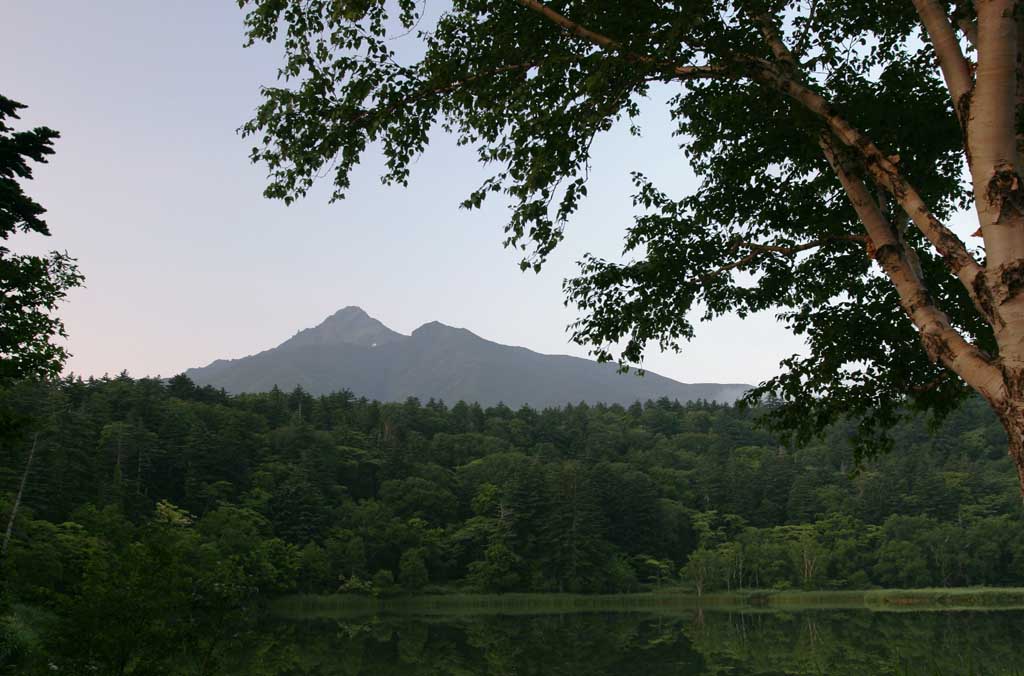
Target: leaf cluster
{"x": 31, "y": 287}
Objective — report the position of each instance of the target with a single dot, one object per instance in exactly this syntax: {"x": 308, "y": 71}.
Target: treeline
{"x": 239, "y": 496}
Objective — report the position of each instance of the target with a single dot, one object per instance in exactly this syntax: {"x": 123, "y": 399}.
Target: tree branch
{"x": 932, "y": 384}
{"x": 757, "y": 250}
{"x": 882, "y": 170}
{"x": 611, "y": 45}
{"x": 952, "y": 62}
{"x": 770, "y": 31}
{"x": 966, "y": 23}
{"x": 576, "y": 29}
{"x": 943, "y": 343}
{"x": 805, "y": 35}
{"x": 364, "y": 117}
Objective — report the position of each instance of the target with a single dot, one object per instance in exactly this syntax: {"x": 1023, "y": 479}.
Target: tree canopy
{"x": 833, "y": 141}
{"x": 31, "y": 286}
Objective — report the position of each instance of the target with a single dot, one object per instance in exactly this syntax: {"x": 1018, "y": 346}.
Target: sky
{"x": 151, "y": 189}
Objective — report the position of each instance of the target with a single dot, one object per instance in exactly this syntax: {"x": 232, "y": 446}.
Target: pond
{"x": 693, "y": 642}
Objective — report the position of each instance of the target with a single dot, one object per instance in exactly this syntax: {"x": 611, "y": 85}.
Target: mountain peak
{"x": 348, "y": 326}
{"x": 352, "y": 350}
{"x": 351, "y": 311}
{"x": 436, "y": 328}
{"x": 433, "y": 326}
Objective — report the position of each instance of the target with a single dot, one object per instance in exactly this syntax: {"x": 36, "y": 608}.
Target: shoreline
{"x": 665, "y": 601}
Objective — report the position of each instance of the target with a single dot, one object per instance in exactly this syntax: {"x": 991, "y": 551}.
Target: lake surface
{"x": 769, "y": 642}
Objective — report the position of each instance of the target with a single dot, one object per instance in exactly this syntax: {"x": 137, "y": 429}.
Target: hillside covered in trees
{"x": 282, "y": 492}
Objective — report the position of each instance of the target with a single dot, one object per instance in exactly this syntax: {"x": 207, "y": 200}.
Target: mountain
{"x": 352, "y": 350}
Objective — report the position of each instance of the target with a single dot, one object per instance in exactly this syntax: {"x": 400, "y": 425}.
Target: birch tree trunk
{"x": 991, "y": 109}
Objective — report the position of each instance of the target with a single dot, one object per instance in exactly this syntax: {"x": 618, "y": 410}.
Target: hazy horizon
{"x": 186, "y": 262}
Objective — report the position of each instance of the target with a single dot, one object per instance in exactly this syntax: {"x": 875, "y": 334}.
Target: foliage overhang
{"x": 832, "y": 140}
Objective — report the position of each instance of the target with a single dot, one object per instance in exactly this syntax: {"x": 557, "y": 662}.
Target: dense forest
{"x": 152, "y": 499}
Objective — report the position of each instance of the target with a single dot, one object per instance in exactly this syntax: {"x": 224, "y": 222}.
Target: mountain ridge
{"x": 352, "y": 350}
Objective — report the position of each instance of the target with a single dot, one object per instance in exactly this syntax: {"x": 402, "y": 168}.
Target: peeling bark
{"x": 1019, "y": 99}
{"x": 1004, "y": 192}
{"x": 1012, "y": 417}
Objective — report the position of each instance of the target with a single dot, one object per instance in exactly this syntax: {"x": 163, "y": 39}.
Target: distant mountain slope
{"x": 351, "y": 350}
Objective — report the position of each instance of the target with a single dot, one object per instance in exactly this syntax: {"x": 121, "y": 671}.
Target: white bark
{"x": 955, "y": 70}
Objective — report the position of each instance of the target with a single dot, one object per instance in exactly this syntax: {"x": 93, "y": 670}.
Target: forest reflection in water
{"x": 834, "y": 642}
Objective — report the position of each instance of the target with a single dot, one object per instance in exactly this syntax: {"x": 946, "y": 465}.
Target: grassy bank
{"x": 947, "y": 598}
{"x": 334, "y": 605}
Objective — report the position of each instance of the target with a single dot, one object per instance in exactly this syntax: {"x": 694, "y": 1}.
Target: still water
{"x": 699, "y": 643}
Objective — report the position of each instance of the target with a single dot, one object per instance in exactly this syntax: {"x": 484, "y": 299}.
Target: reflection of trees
{"x": 704, "y": 643}
{"x": 496, "y": 646}
{"x": 857, "y": 642}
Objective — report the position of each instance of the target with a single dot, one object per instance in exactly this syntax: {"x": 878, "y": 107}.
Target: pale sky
{"x": 185, "y": 261}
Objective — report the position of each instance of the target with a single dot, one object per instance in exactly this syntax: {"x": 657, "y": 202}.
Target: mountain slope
{"x": 351, "y": 350}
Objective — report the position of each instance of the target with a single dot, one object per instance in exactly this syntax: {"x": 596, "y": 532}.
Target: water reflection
{"x": 701, "y": 643}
